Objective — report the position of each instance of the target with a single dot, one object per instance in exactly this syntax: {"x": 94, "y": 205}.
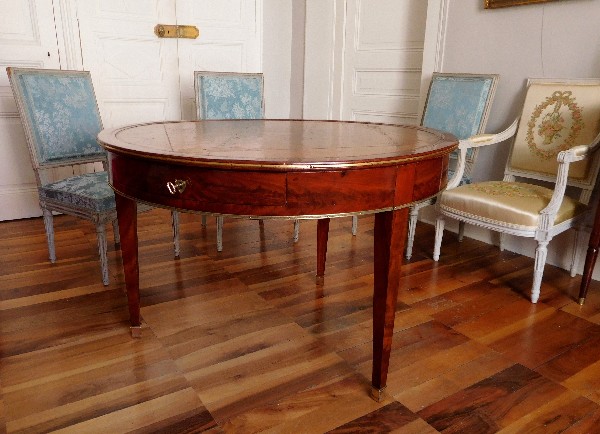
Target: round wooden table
{"x": 282, "y": 169}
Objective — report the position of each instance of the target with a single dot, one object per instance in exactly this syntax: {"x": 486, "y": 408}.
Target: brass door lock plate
{"x": 175, "y": 31}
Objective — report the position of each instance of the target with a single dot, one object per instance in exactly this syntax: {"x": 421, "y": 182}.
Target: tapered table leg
{"x": 390, "y": 235}
{"x": 322, "y": 238}
{"x": 127, "y": 215}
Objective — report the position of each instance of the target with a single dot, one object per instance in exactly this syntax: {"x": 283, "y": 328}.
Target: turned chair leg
{"x": 117, "y": 235}
{"x": 296, "y": 230}
{"x": 354, "y": 224}
{"x": 575, "y": 253}
{"x": 219, "y": 233}
{"x": 101, "y": 235}
{"x": 540, "y": 261}
{"x": 439, "y": 234}
{"x": 412, "y": 227}
{"x": 175, "y": 225}
{"x": 49, "y": 225}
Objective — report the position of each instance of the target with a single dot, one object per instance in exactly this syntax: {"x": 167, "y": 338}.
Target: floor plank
{"x": 246, "y": 341}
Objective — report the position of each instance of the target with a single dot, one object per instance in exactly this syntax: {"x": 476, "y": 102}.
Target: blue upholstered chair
{"x": 60, "y": 117}
{"x": 229, "y": 95}
{"x": 458, "y": 104}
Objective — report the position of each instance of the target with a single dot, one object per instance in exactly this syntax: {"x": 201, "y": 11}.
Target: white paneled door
{"x": 135, "y": 73}
{"x": 382, "y": 60}
{"x": 138, "y": 77}
{"x": 230, "y": 40}
{"x": 27, "y": 39}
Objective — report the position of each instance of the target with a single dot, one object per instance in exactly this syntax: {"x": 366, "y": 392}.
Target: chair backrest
{"x": 557, "y": 115}
{"x": 460, "y": 104}
{"x": 60, "y": 116}
{"x": 229, "y": 95}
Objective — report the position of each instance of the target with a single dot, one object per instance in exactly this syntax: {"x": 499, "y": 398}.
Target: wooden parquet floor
{"x": 244, "y": 341}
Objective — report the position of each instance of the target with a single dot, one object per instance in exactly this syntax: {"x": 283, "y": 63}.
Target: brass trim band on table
{"x": 277, "y": 167}
{"x": 279, "y": 217}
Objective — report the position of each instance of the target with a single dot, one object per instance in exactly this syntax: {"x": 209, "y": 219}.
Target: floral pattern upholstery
{"x": 229, "y": 95}
{"x": 90, "y": 191}
{"x": 62, "y": 115}
{"x": 457, "y": 104}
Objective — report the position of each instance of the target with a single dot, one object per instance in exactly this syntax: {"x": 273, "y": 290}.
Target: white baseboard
{"x": 18, "y": 203}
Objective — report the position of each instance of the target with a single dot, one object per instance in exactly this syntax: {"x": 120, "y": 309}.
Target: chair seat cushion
{"x": 509, "y": 204}
{"x": 89, "y": 191}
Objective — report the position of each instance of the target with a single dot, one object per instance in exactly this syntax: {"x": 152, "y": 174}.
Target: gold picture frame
{"x": 493, "y": 4}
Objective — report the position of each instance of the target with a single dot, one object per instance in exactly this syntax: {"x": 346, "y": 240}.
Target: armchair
{"x": 60, "y": 117}
{"x": 555, "y": 140}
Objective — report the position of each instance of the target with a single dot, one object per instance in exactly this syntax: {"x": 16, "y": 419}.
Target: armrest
{"x": 476, "y": 141}
{"x": 580, "y": 152}
{"x": 565, "y": 158}
{"x": 489, "y": 139}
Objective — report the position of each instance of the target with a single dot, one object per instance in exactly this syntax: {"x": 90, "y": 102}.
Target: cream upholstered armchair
{"x": 229, "y": 95}
{"x": 60, "y": 117}
{"x": 555, "y": 140}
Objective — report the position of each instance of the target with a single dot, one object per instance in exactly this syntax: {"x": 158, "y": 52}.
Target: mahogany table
{"x": 282, "y": 169}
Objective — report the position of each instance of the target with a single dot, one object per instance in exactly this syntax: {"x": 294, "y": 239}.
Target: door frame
{"x": 324, "y": 51}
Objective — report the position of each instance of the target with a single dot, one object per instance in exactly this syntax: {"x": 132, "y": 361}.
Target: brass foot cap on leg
{"x": 377, "y": 394}
{"x": 136, "y": 331}
{"x": 581, "y": 301}
{"x": 320, "y": 280}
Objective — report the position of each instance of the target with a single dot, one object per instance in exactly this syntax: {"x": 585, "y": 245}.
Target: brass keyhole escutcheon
{"x": 177, "y": 186}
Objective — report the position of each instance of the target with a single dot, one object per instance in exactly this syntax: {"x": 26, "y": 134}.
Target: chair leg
{"x": 117, "y": 235}
{"x": 412, "y": 226}
{"x": 439, "y": 233}
{"x": 203, "y": 220}
{"x": 575, "y": 256}
{"x": 49, "y": 225}
{"x": 461, "y": 231}
{"x": 101, "y": 234}
{"x": 296, "y": 230}
{"x": 540, "y": 261}
{"x": 501, "y": 240}
{"x": 175, "y": 225}
{"x": 219, "y": 234}
{"x": 354, "y": 224}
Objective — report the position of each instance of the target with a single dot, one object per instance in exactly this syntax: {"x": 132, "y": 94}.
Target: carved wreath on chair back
{"x": 554, "y": 125}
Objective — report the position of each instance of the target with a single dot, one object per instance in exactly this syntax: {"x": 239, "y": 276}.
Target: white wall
{"x": 554, "y": 40}
{"x": 277, "y": 42}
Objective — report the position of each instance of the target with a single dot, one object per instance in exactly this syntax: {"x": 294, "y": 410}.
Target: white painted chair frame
{"x": 546, "y": 228}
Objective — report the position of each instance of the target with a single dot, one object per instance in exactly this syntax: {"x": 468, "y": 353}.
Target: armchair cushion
{"x": 90, "y": 191}
{"x": 508, "y": 204}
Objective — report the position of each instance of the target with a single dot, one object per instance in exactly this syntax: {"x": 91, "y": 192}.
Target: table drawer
{"x": 197, "y": 188}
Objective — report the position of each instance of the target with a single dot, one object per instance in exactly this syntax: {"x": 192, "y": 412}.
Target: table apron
{"x": 278, "y": 193}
